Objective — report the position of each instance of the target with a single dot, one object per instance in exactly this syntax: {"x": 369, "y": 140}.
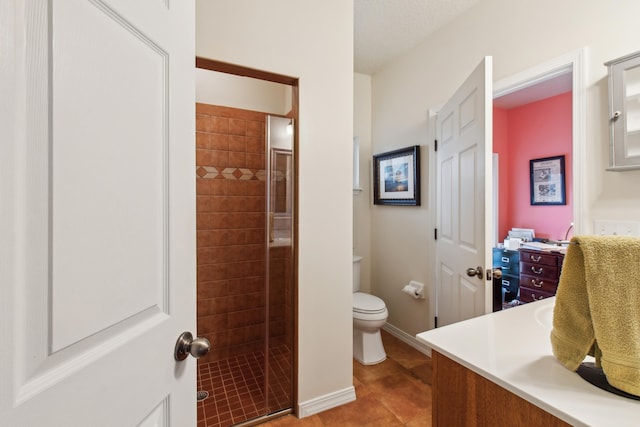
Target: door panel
{"x": 468, "y": 160}
{"x": 446, "y": 189}
{"x": 101, "y": 274}
{"x": 463, "y": 170}
{"x": 98, "y": 176}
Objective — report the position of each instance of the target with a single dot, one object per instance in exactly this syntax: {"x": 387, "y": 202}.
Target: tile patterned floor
{"x": 396, "y": 392}
{"x": 236, "y": 388}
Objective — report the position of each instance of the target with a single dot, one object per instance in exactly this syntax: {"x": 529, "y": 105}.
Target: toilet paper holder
{"x": 414, "y": 289}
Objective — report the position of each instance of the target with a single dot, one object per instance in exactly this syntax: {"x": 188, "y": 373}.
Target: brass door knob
{"x": 475, "y": 271}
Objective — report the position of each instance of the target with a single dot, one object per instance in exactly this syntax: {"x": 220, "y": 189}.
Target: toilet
{"x": 369, "y": 315}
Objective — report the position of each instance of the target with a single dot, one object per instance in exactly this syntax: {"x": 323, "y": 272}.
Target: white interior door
{"x": 463, "y": 199}
{"x": 97, "y": 226}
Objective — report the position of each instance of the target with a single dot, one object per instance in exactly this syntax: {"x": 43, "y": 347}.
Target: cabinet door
{"x": 624, "y": 110}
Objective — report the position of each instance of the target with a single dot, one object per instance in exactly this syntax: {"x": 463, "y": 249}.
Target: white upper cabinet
{"x": 624, "y": 112}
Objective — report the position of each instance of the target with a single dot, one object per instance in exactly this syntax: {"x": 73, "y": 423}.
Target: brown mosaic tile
{"x": 219, "y": 124}
{"x": 218, "y": 203}
{"x": 218, "y": 158}
{"x": 237, "y": 143}
{"x": 213, "y": 289}
{"x": 203, "y": 123}
{"x": 254, "y": 235}
{"x": 237, "y": 237}
{"x": 254, "y": 144}
{"x": 211, "y": 238}
{"x": 237, "y": 159}
{"x": 256, "y": 204}
{"x": 237, "y": 126}
{"x": 218, "y": 141}
{"x": 237, "y": 204}
{"x": 255, "y": 220}
{"x": 255, "y": 188}
{"x": 255, "y": 128}
{"x": 255, "y": 161}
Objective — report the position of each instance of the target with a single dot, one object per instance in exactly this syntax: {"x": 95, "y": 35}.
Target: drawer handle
{"x": 535, "y": 258}
{"x": 536, "y": 299}
{"x": 538, "y": 271}
{"x": 505, "y": 259}
{"x": 537, "y": 283}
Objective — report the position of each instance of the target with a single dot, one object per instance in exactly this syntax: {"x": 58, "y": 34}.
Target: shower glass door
{"x": 279, "y": 262}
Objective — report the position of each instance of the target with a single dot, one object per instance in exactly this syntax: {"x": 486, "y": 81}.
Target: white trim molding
{"x": 407, "y": 339}
{"x": 328, "y": 401}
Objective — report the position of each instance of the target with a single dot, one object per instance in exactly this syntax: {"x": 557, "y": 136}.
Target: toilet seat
{"x": 367, "y": 304}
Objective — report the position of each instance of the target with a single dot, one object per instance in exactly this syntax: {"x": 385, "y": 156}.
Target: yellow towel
{"x": 597, "y": 309}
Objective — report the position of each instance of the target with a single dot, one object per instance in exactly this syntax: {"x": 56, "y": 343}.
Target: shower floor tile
{"x": 236, "y": 388}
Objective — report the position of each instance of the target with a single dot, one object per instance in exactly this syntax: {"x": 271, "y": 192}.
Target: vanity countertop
{"x": 512, "y": 348}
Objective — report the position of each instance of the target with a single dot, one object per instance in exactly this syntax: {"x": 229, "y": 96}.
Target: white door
{"x": 97, "y": 212}
{"x": 463, "y": 199}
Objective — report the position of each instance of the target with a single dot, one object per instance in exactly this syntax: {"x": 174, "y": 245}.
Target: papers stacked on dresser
{"x": 543, "y": 247}
{"x": 525, "y": 234}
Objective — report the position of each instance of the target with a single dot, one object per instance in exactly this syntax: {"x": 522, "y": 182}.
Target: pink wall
{"x": 532, "y": 131}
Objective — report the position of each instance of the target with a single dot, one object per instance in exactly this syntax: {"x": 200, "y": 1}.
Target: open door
{"x": 464, "y": 200}
{"x": 98, "y": 212}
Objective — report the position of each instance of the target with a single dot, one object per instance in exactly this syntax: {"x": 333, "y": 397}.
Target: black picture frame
{"x": 396, "y": 177}
{"x": 547, "y": 181}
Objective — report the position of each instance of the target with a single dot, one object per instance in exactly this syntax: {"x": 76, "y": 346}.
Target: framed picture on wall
{"x": 396, "y": 177}
{"x": 547, "y": 181}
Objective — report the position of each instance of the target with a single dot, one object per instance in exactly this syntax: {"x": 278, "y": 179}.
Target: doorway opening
{"x": 538, "y": 114}
{"x": 531, "y": 123}
{"x": 246, "y": 184}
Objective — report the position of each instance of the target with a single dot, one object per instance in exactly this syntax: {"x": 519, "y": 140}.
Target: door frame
{"x": 293, "y": 82}
{"x": 574, "y": 62}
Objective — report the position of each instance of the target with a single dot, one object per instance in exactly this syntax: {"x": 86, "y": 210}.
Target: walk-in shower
{"x": 245, "y": 222}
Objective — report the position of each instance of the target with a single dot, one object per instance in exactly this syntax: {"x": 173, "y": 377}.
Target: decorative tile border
{"x": 241, "y": 174}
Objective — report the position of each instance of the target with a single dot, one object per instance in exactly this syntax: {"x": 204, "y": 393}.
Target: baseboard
{"x": 328, "y": 401}
{"x": 408, "y": 339}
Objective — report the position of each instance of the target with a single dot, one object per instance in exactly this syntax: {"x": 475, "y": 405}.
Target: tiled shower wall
{"x": 231, "y": 203}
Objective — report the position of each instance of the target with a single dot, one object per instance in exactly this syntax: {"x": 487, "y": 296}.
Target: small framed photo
{"x": 547, "y": 181}
{"x": 396, "y": 177}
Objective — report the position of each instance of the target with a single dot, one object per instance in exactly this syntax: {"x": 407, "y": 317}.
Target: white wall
{"x": 519, "y": 35}
{"x": 362, "y": 200}
{"x": 312, "y": 41}
{"x": 242, "y": 92}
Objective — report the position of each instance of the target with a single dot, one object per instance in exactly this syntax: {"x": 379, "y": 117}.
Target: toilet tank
{"x": 356, "y": 272}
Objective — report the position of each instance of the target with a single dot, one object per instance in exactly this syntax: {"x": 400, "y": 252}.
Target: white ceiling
{"x": 386, "y": 29}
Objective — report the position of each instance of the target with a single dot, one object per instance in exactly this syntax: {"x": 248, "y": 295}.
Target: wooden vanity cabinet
{"x": 461, "y": 397}
{"x": 539, "y": 274}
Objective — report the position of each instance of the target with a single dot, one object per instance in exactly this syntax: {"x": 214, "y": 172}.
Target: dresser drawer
{"x": 530, "y": 295}
{"x": 538, "y": 257}
{"x": 542, "y": 284}
{"x": 538, "y": 270}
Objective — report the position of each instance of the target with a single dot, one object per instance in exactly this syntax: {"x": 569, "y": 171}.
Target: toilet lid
{"x": 366, "y": 303}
